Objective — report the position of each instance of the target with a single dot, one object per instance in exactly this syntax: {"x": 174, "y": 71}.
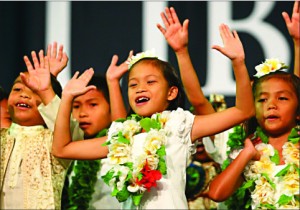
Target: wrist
{"x": 46, "y": 95}
{"x": 181, "y": 51}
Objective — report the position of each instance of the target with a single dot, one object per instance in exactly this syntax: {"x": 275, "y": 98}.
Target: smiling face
{"x": 148, "y": 90}
{"x": 92, "y": 112}
{"x": 23, "y": 105}
{"x": 276, "y": 106}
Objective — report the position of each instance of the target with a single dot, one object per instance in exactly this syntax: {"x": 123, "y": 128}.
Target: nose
{"x": 272, "y": 104}
{"x": 24, "y": 94}
{"x": 141, "y": 89}
{"x": 82, "y": 113}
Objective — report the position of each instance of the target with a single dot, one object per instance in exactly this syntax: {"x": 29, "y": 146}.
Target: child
{"x": 293, "y": 25}
{"x": 153, "y": 90}
{"x": 5, "y": 120}
{"x": 31, "y": 178}
{"x": 269, "y": 161}
{"x": 92, "y": 111}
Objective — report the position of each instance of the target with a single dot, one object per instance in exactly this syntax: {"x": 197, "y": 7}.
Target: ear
{"x": 173, "y": 92}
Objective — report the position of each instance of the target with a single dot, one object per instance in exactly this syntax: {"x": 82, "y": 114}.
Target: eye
{"x": 132, "y": 85}
{"x": 16, "y": 89}
{"x": 151, "y": 81}
{"x": 75, "y": 106}
{"x": 93, "y": 104}
{"x": 283, "y": 98}
{"x": 262, "y": 100}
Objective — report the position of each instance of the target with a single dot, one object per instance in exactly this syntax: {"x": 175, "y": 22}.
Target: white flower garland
{"x": 127, "y": 174}
{"x": 273, "y": 188}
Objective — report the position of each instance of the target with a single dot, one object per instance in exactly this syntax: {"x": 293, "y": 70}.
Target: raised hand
{"x": 233, "y": 47}
{"x": 293, "y": 23}
{"x": 38, "y": 77}
{"x": 114, "y": 72}
{"x": 78, "y": 85}
{"x": 251, "y": 149}
{"x": 58, "y": 60}
{"x": 175, "y": 33}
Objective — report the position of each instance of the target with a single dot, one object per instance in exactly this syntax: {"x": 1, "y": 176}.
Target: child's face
{"x": 148, "y": 90}
{"x": 276, "y": 106}
{"x": 92, "y": 112}
{"x": 23, "y": 105}
{"x": 5, "y": 120}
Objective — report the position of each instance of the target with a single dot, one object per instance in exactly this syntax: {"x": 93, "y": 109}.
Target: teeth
{"x": 23, "y": 105}
{"x": 141, "y": 99}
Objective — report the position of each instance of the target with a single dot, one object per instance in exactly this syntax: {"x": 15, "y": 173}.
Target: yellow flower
{"x": 154, "y": 140}
{"x": 130, "y": 128}
{"x": 119, "y": 153}
{"x": 263, "y": 192}
{"x": 270, "y": 65}
{"x": 290, "y": 153}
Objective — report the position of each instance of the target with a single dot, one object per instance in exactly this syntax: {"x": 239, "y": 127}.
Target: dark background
{"x": 93, "y": 42}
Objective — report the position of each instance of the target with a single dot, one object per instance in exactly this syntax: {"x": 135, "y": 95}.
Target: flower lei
{"x": 135, "y": 58}
{"x": 269, "y": 190}
{"x": 130, "y": 177}
{"x": 270, "y": 65}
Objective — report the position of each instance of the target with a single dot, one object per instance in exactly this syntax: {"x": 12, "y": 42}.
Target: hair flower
{"x": 270, "y": 65}
{"x": 135, "y": 58}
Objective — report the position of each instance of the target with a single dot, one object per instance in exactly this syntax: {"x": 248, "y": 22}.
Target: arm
{"x": 293, "y": 26}
{"x": 244, "y": 108}
{"x": 113, "y": 76}
{"x": 229, "y": 180}
{"x": 177, "y": 37}
{"x": 62, "y": 146}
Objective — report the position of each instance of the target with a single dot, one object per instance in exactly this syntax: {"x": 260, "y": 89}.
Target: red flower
{"x": 257, "y": 141}
{"x": 149, "y": 177}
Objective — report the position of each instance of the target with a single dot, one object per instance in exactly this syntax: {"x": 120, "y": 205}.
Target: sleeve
{"x": 181, "y": 123}
{"x": 49, "y": 113}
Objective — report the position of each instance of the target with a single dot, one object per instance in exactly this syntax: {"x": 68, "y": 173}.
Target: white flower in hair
{"x": 135, "y": 58}
{"x": 270, "y": 65}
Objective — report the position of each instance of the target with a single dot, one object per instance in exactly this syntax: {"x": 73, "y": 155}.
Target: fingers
{"x": 286, "y": 18}
{"x": 60, "y": 52}
{"x": 162, "y": 30}
{"x": 35, "y": 60}
{"x": 87, "y": 75}
{"x": 174, "y": 16}
{"x": 186, "y": 25}
{"x": 114, "y": 60}
{"x": 296, "y": 8}
{"x": 28, "y": 63}
{"x": 54, "y": 50}
{"x": 41, "y": 57}
{"x": 24, "y": 78}
{"x": 75, "y": 75}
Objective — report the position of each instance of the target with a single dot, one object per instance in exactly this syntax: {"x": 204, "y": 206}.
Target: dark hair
{"x": 172, "y": 78}
{"x": 3, "y": 94}
{"x": 290, "y": 78}
{"x": 101, "y": 84}
{"x": 56, "y": 86}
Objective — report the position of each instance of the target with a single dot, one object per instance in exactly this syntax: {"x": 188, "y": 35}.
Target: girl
{"x": 270, "y": 159}
{"x": 158, "y": 138}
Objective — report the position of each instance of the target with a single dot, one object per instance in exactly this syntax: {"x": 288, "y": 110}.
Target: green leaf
{"x": 162, "y": 166}
{"x": 120, "y": 120}
{"x": 283, "y": 171}
{"x": 122, "y": 139}
{"x": 269, "y": 180}
{"x": 275, "y": 158}
{"x": 284, "y": 199}
{"x": 148, "y": 123}
{"x": 161, "y": 152}
{"x": 268, "y": 206}
{"x": 108, "y": 176}
{"x": 248, "y": 184}
{"x": 123, "y": 194}
{"x": 102, "y": 133}
{"x": 262, "y": 135}
{"x": 137, "y": 199}
{"x": 294, "y": 136}
{"x": 225, "y": 164}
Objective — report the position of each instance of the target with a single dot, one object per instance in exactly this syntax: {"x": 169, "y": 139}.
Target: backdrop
{"x": 92, "y": 32}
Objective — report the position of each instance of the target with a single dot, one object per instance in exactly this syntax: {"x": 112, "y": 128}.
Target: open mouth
{"x": 272, "y": 117}
{"x": 142, "y": 99}
{"x": 83, "y": 125}
{"x": 23, "y": 105}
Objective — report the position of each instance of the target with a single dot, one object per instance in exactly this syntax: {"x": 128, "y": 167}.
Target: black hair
{"x": 101, "y": 84}
{"x": 56, "y": 86}
{"x": 3, "y": 94}
{"x": 290, "y": 78}
{"x": 171, "y": 77}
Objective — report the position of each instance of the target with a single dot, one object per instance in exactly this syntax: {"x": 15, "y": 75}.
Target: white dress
{"x": 170, "y": 190}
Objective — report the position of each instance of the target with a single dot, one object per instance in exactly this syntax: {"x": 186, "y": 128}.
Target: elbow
{"x": 216, "y": 195}
{"x": 57, "y": 153}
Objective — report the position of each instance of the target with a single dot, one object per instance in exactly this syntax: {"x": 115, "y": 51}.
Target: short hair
{"x": 101, "y": 84}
